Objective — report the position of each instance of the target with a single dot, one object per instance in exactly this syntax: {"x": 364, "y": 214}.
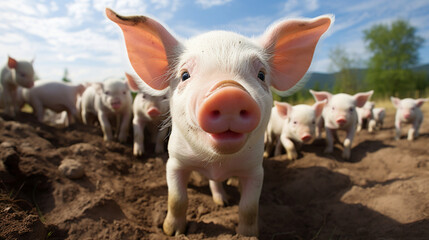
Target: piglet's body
{"x": 56, "y": 96}
{"x": 365, "y": 113}
{"x": 379, "y": 115}
{"x": 340, "y": 114}
{"x": 14, "y": 74}
{"x": 290, "y": 126}
{"x": 408, "y": 112}
{"x": 220, "y": 102}
{"x": 150, "y": 111}
{"x": 110, "y": 102}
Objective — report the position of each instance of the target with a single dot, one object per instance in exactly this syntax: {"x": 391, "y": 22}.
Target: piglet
{"x": 53, "y": 95}
{"x": 292, "y": 125}
{"x": 14, "y": 74}
{"x": 379, "y": 115}
{"x": 365, "y": 113}
{"x": 150, "y": 109}
{"x": 110, "y": 101}
{"x": 340, "y": 114}
{"x": 408, "y": 111}
{"x": 220, "y": 102}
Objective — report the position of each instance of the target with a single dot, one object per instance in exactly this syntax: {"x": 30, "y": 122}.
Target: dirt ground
{"x": 382, "y": 193}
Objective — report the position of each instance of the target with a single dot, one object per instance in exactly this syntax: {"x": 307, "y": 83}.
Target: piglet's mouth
{"x": 116, "y": 105}
{"x": 227, "y": 142}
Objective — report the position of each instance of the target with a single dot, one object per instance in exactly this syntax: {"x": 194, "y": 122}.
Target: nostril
{"x": 215, "y": 114}
{"x": 244, "y": 113}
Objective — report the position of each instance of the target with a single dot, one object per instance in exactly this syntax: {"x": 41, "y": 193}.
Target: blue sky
{"x": 76, "y": 34}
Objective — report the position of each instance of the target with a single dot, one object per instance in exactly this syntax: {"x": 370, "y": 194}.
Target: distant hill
{"x": 326, "y": 81}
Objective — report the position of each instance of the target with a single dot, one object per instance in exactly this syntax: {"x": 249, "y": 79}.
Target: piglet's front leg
{"x": 123, "y": 129}
{"x": 290, "y": 147}
{"x": 348, "y": 144}
{"x": 329, "y": 140}
{"x": 138, "y": 129}
{"x": 248, "y": 208}
{"x": 397, "y": 130}
{"x": 105, "y": 126}
{"x": 160, "y": 137}
{"x": 177, "y": 179}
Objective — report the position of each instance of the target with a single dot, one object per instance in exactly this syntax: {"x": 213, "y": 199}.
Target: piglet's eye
{"x": 124, "y": 92}
{"x": 261, "y": 76}
{"x": 351, "y": 109}
{"x": 107, "y": 92}
{"x": 295, "y": 122}
{"x": 185, "y": 76}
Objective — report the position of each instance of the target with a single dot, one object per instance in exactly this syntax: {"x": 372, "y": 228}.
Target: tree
{"x": 346, "y": 79}
{"x": 394, "y": 51}
{"x": 66, "y": 76}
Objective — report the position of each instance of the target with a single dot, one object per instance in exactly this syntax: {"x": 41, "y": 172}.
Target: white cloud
{"x": 295, "y": 8}
{"x": 212, "y": 3}
{"x": 250, "y": 26}
{"x": 79, "y": 10}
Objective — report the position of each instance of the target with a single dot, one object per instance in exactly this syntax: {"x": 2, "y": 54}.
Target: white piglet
{"x": 379, "y": 115}
{"x": 14, "y": 74}
{"x": 340, "y": 114}
{"x": 150, "y": 109}
{"x": 109, "y": 102}
{"x": 220, "y": 102}
{"x": 408, "y": 111}
{"x": 365, "y": 113}
{"x": 292, "y": 125}
{"x": 53, "y": 95}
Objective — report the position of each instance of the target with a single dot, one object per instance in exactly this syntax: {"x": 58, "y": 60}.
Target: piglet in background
{"x": 379, "y": 115}
{"x": 340, "y": 114}
{"x": 408, "y": 112}
{"x": 220, "y": 102}
{"x": 365, "y": 114}
{"x": 53, "y": 95}
{"x": 14, "y": 74}
{"x": 291, "y": 126}
{"x": 150, "y": 109}
{"x": 109, "y": 102}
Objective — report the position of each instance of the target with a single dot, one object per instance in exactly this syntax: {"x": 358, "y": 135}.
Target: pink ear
{"x": 11, "y": 62}
{"x": 132, "y": 82}
{"x": 292, "y": 44}
{"x": 361, "y": 98}
{"x": 284, "y": 109}
{"x": 318, "y": 107}
{"x": 320, "y": 96}
{"x": 149, "y": 45}
{"x": 98, "y": 87}
{"x": 395, "y": 101}
{"x": 420, "y": 101}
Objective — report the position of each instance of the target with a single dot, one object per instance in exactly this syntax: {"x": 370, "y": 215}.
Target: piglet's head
{"x": 221, "y": 80}
{"x": 300, "y": 120}
{"x": 24, "y": 72}
{"x": 114, "y": 93}
{"x": 340, "y": 109}
{"x": 407, "y": 107}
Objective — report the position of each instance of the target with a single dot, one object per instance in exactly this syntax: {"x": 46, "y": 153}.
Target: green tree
{"x": 394, "y": 51}
{"x": 346, "y": 79}
{"x": 66, "y": 76}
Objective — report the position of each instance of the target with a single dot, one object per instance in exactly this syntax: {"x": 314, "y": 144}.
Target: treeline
{"x": 390, "y": 71}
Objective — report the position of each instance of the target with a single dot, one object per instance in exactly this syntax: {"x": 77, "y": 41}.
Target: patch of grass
{"x": 39, "y": 212}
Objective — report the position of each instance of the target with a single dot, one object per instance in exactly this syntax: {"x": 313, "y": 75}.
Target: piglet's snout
{"x": 341, "y": 120}
{"x": 228, "y": 108}
{"x": 153, "y": 112}
{"x": 306, "y": 137}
